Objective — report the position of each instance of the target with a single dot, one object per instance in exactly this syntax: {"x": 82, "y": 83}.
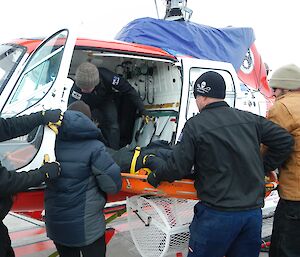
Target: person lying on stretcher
{"x": 132, "y": 160}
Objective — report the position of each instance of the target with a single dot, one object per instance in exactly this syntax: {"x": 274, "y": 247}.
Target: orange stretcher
{"x": 137, "y": 184}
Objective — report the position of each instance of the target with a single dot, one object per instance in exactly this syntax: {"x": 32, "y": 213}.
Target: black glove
{"x": 153, "y": 180}
{"x": 155, "y": 164}
{"x": 50, "y": 170}
{"x": 53, "y": 116}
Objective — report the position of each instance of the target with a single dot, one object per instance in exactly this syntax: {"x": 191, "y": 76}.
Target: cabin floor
{"x": 29, "y": 237}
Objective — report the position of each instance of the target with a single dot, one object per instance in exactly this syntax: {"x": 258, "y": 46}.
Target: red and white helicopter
{"x": 151, "y": 54}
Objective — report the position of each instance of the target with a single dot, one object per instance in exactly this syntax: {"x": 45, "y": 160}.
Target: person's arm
{"x": 123, "y": 86}
{"x": 106, "y": 171}
{"x": 22, "y": 125}
{"x": 12, "y": 182}
{"x": 178, "y": 165}
{"x": 279, "y": 144}
{"x": 133, "y": 95}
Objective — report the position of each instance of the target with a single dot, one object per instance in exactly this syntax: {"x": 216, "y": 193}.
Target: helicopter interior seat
{"x": 161, "y": 125}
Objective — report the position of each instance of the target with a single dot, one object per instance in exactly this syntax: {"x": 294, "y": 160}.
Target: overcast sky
{"x": 275, "y": 23}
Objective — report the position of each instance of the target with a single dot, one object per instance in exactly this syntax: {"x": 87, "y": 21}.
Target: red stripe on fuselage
{"x": 27, "y": 233}
{"x": 34, "y": 248}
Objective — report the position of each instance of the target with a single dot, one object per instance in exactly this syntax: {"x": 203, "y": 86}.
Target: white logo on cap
{"x": 203, "y": 88}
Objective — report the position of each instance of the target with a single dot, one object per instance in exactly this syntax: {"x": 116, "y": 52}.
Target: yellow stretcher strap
{"x": 136, "y": 154}
{"x": 147, "y": 170}
{"x": 146, "y": 157}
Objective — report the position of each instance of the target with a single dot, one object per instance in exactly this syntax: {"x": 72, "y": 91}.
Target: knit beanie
{"x": 286, "y": 77}
{"x": 87, "y": 76}
{"x": 210, "y": 84}
{"x": 80, "y": 106}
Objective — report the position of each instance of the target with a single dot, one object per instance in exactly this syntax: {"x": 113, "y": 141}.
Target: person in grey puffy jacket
{"x": 74, "y": 203}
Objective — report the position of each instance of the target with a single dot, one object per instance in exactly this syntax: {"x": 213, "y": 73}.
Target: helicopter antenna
{"x": 156, "y": 9}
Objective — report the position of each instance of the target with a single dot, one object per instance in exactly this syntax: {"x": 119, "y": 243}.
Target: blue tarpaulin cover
{"x": 228, "y": 44}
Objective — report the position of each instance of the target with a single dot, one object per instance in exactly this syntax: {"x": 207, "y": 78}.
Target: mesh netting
{"x": 159, "y": 226}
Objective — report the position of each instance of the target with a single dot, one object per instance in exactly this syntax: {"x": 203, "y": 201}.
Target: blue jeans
{"x": 215, "y": 233}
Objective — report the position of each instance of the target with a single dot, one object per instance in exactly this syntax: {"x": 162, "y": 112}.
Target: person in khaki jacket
{"x": 286, "y": 112}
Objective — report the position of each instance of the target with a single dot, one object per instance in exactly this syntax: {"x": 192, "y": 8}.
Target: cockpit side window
{"x": 37, "y": 78}
{"x": 10, "y": 57}
{"x": 33, "y": 85}
{"x": 192, "y": 108}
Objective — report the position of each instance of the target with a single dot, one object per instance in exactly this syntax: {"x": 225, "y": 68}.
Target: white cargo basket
{"x": 159, "y": 226}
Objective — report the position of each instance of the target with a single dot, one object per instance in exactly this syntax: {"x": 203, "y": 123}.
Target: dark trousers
{"x": 216, "y": 233}
{"x": 127, "y": 116}
{"x": 107, "y": 117}
{"x": 96, "y": 249}
{"x": 285, "y": 240}
{"x": 5, "y": 243}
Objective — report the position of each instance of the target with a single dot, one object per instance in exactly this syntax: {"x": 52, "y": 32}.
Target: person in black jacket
{"x": 223, "y": 146}
{"x": 12, "y": 182}
{"x": 100, "y": 88}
